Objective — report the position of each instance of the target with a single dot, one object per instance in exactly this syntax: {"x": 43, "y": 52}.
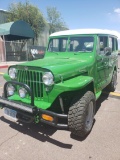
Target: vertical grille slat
{"x": 33, "y": 82}
{"x": 33, "y": 79}
{"x": 20, "y": 75}
{"x": 39, "y": 84}
{"x": 23, "y": 76}
{"x": 26, "y": 81}
{"x": 30, "y": 78}
{"x": 36, "y": 75}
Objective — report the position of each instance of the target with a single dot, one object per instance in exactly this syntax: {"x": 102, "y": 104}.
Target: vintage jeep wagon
{"x": 61, "y": 90}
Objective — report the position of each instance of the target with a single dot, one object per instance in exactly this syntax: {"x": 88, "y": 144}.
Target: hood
{"x": 63, "y": 66}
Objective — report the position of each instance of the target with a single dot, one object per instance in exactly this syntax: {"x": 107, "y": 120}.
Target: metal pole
{"x": 27, "y": 50}
{"x": 4, "y": 47}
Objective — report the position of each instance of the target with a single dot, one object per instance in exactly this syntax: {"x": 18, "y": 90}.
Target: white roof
{"x": 85, "y": 31}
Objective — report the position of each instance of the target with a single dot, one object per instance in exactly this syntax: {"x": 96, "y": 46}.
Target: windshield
{"x": 76, "y": 44}
{"x": 57, "y": 45}
{"x": 81, "y": 44}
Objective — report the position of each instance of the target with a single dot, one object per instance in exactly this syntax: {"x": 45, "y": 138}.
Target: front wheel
{"x": 81, "y": 115}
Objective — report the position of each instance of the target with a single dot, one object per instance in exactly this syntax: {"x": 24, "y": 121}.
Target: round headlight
{"x": 22, "y": 92}
{"x": 10, "y": 90}
{"x": 48, "y": 79}
{"x": 12, "y": 73}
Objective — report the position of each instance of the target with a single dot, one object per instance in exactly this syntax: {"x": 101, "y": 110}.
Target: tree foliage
{"x": 55, "y": 20}
{"x": 29, "y": 13}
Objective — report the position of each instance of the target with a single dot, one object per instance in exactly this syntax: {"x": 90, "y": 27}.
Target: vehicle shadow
{"x": 104, "y": 96}
{"x": 42, "y": 132}
{"x": 37, "y": 131}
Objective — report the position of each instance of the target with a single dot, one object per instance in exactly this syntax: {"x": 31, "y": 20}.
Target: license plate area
{"x": 10, "y": 114}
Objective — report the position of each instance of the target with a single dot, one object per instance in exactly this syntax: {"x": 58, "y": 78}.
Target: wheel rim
{"x": 89, "y": 117}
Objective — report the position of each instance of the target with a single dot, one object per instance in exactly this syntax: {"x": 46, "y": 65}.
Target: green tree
{"x": 29, "y": 13}
{"x": 55, "y": 20}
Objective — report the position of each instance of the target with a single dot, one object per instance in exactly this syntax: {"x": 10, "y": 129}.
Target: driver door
{"x": 102, "y": 62}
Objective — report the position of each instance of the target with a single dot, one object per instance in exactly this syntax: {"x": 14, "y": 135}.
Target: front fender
{"x": 74, "y": 83}
{"x": 6, "y": 77}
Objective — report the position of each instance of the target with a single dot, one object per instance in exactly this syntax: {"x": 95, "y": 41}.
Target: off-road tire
{"x": 78, "y": 113}
{"x": 112, "y": 85}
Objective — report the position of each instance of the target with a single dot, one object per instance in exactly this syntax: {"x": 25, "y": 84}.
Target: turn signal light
{"x": 47, "y": 117}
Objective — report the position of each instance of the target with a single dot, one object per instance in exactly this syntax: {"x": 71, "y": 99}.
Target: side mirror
{"x": 107, "y": 51}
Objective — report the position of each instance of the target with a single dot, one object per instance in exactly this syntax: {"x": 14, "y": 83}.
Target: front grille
{"x": 33, "y": 79}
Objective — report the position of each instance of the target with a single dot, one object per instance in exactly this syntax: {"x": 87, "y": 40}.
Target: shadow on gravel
{"x": 102, "y": 98}
{"x": 37, "y": 131}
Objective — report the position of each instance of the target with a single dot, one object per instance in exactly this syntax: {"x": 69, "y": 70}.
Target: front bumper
{"x": 30, "y": 112}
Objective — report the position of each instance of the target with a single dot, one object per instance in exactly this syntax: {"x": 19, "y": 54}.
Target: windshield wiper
{"x": 55, "y": 52}
{"x": 82, "y": 52}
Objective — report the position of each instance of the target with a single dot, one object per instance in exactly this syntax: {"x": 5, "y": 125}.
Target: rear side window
{"x": 103, "y": 42}
{"x": 116, "y": 44}
{"x": 113, "y": 43}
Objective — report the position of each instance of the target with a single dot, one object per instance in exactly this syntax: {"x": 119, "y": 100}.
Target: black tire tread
{"x": 77, "y": 113}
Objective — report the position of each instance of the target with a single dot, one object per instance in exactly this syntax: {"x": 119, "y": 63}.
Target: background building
{"x": 3, "y": 16}
{"x": 9, "y": 49}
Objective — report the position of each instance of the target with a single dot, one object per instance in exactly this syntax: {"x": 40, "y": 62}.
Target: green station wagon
{"x": 62, "y": 88}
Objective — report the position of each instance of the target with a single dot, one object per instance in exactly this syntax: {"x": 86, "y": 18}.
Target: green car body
{"x": 51, "y": 83}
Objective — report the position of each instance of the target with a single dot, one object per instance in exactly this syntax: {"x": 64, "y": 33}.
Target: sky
{"x": 101, "y": 14}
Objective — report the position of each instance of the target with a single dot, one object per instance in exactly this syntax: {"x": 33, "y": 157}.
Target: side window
{"x": 103, "y": 42}
{"x": 112, "y": 43}
{"x": 116, "y": 44}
